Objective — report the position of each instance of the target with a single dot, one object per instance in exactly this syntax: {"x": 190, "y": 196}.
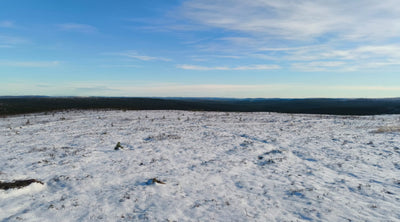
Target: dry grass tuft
{"x": 387, "y": 129}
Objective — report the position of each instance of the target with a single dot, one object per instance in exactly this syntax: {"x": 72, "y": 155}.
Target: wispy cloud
{"x": 119, "y": 66}
{"x": 309, "y": 35}
{"x": 7, "y": 41}
{"x": 302, "y": 20}
{"x": 76, "y": 27}
{"x": 319, "y": 66}
{"x": 371, "y": 51}
{"x": 136, "y": 55}
{"x": 325, "y": 58}
{"x": 34, "y": 64}
{"x": 225, "y": 68}
{"x": 7, "y": 24}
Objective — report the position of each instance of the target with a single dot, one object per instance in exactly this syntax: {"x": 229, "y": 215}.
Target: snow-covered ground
{"x": 216, "y": 167}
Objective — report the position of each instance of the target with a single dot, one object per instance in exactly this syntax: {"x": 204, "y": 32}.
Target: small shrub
{"x": 153, "y": 181}
{"x": 387, "y": 129}
{"x": 118, "y": 146}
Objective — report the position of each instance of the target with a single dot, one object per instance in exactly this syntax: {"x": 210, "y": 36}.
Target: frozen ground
{"x": 216, "y": 167}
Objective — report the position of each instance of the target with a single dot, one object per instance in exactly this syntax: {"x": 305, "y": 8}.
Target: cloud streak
{"x": 137, "y": 56}
{"x": 76, "y": 27}
{"x": 325, "y": 58}
{"x": 225, "y": 68}
{"x": 33, "y": 64}
{"x": 7, "y": 41}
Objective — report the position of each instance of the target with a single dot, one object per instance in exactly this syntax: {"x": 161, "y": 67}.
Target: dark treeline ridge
{"x": 24, "y": 105}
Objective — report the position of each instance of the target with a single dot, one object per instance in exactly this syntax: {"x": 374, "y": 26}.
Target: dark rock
{"x": 17, "y": 184}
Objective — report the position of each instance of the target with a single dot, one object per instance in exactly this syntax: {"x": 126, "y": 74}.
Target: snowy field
{"x": 215, "y": 166}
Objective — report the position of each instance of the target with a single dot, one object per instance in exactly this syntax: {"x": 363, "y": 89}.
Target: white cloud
{"x": 76, "y": 27}
{"x": 224, "y": 68}
{"x": 135, "y": 55}
{"x": 353, "y": 59}
{"x": 363, "y": 52}
{"x": 319, "y": 66}
{"x": 300, "y": 19}
{"x": 34, "y": 64}
{"x": 349, "y": 35}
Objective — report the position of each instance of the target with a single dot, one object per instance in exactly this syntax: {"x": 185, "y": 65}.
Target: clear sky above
{"x": 200, "y": 48}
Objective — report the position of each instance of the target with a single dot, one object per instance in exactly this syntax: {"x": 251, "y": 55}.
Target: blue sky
{"x": 203, "y": 48}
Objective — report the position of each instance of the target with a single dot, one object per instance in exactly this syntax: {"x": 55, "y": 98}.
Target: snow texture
{"x": 216, "y": 166}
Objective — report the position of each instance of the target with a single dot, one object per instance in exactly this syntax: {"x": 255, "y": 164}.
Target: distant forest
{"x": 24, "y": 105}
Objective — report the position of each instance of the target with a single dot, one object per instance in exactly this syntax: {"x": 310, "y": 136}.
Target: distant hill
{"x": 30, "y": 104}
